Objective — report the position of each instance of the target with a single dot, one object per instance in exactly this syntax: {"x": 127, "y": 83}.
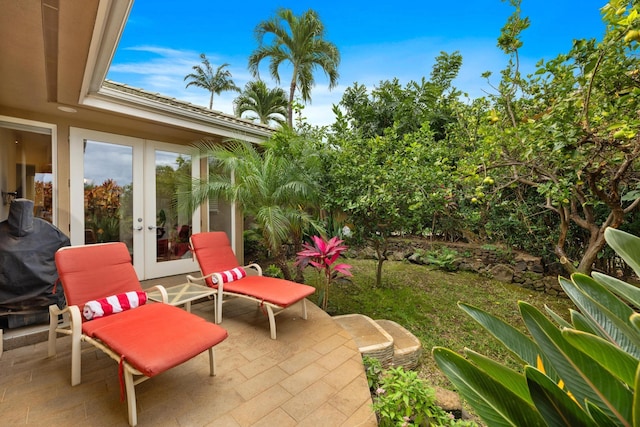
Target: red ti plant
{"x": 322, "y": 255}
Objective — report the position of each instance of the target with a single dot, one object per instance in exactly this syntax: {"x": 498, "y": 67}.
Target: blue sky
{"x": 378, "y": 41}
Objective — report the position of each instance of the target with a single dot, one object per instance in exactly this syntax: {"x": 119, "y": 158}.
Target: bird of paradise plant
{"x": 579, "y": 372}
{"x": 322, "y": 255}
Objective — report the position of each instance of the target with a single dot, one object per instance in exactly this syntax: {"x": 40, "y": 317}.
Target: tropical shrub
{"x": 271, "y": 189}
{"x": 322, "y": 255}
{"x": 401, "y": 398}
{"x": 443, "y": 258}
{"x": 273, "y": 271}
{"x": 105, "y": 210}
{"x": 583, "y": 372}
{"x": 373, "y": 370}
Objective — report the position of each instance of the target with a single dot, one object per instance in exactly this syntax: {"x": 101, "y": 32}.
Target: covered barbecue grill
{"x": 28, "y": 273}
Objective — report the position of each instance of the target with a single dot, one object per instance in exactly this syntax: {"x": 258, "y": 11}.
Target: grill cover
{"x": 27, "y": 267}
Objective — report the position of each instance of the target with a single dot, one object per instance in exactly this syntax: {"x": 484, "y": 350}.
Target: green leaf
{"x": 582, "y": 324}
{"x": 612, "y": 358}
{"x": 601, "y": 419}
{"x": 555, "y": 316}
{"x": 630, "y": 196}
{"x": 602, "y": 295}
{"x": 626, "y": 245}
{"x": 604, "y": 311}
{"x": 492, "y": 400}
{"x": 590, "y": 66}
{"x": 520, "y": 345}
{"x": 635, "y": 321}
{"x": 625, "y": 290}
{"x": 614, "y": 126}
{"x": 517, "y": 382}
{"x": 636, "y": 399}
{"x": 556, "y": 407}
{"x": 583, "y": 377}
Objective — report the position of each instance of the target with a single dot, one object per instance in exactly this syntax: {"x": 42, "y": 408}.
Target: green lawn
{"x": 423, "y": 300}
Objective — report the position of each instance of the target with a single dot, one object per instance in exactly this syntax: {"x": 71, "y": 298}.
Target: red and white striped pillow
{"x": 230, "y": 275}
{"x": 113, "y": 304}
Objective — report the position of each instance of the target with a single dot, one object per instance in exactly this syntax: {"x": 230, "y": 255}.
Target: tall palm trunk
{"x": 279, "y": 256}
{"x": 297, "y": 244}
{"x": 281, "y": 262}
{"x": 292, "y": 92}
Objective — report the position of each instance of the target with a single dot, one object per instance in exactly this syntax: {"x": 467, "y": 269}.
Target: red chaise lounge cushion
{"x": 276, "y": 291}
{"x": 155, "y": 337}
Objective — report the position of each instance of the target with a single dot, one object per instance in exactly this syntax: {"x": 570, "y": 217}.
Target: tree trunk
{"x": 381, "y": 251}
{"x": 596, "y": 237}
{"x": 562, "y": 239}
{"x": 379, "y": 272}
{"x": 297, "y": 245}
{"x": 564, "y": 260}
{"x": 299, "y": 274}
{"x": 325, "y": 297}
{"x": 292, "y": 92}
{"x": 281, "y": 262}
{"x": 596, "y": 243}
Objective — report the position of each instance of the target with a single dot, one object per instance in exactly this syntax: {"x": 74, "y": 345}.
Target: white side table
{"x": 183, "y": 294}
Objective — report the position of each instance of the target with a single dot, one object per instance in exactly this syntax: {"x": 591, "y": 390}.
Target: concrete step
{"x": 25, "y": 335}
{"x": 407, "y": 349}
{"x": 384, "y": 340}
{"x": 371, "y": 339}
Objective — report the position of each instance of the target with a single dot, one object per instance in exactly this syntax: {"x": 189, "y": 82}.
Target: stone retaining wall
{"x": 500, "y": 263}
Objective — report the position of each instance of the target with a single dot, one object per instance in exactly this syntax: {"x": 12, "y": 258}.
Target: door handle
{"x": 151, "y": 227}
{"x": 138, "y": 228}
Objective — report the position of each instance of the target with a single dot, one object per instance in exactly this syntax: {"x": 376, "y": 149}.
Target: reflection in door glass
{"x": 173, "y": 227}
{"x": 108, "y": 187}
{"x": 26, "y": 169}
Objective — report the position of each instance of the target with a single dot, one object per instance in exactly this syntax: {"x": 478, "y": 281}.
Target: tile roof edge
{"x": 183, "y": 105}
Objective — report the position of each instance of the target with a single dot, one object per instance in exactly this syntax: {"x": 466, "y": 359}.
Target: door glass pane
{"x": 173, "y": 226}
{"x": 26, "y": 169}
{"x": 220, "y": 212}
{"x": 108, "y": 186}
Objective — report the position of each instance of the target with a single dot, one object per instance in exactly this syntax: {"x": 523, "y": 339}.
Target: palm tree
{"x": 268, "y": 105}
{"x": 215, "y": 82}
{"x": 270, "y": 188}
{"x": 303, "y": 45}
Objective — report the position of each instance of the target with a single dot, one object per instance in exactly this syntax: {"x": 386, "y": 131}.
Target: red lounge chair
{"x": 215, "y": 255}
{"x": 146, "y": 341}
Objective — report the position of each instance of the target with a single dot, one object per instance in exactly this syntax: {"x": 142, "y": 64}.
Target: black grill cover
{"x": 27, "y": 267}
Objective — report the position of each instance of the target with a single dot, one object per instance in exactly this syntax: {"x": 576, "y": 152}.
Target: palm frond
{"x": 300, "y": 41}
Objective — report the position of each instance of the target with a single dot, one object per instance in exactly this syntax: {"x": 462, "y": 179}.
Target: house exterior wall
{"x": 56, "y": 59}
{"x": 108, "y": 123}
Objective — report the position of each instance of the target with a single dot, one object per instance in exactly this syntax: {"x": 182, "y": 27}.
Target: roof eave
{"x": 148, "y": 109}
{"x": 97, "y": 92}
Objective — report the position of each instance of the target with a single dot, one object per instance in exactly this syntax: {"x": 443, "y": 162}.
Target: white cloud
{"x": 162, "y": 70}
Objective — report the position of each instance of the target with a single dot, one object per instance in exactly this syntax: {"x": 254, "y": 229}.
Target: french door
{"x": 132, "y": 190}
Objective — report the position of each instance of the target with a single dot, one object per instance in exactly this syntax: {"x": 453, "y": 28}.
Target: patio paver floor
{"x": 312, "y": 375}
